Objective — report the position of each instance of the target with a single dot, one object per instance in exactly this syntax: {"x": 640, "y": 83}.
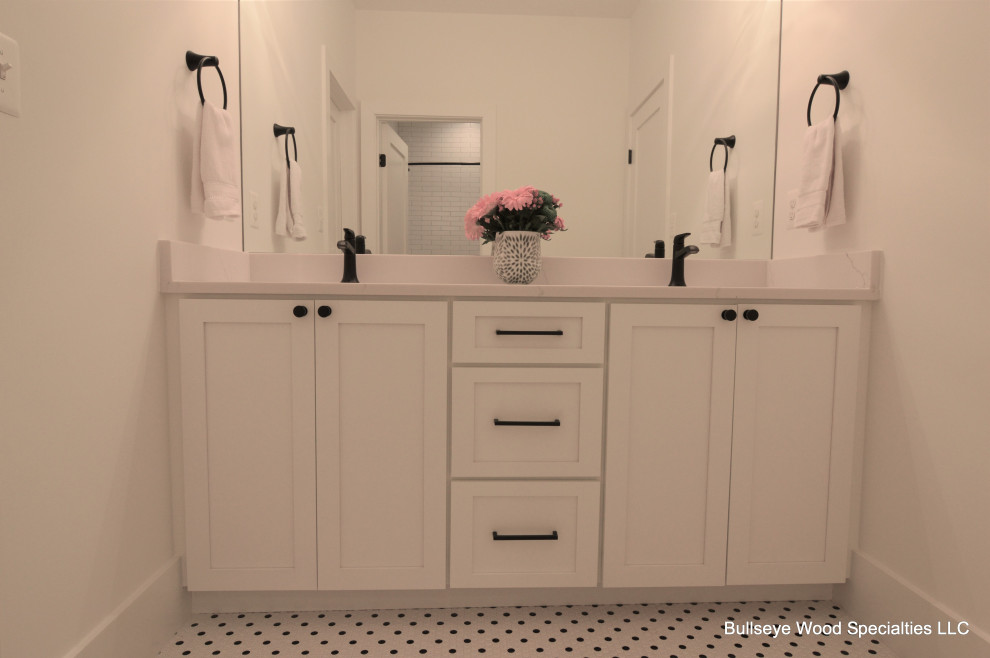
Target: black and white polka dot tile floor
{"x": 670, "y": 630}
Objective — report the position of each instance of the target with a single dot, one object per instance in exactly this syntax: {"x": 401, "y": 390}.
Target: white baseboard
{"x": 465, "y": 598}
{"x": 141, "y": 625}
{"x": 877, "y": 595}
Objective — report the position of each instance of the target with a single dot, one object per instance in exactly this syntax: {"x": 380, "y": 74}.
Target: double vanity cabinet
{"x": 432, "y": 443}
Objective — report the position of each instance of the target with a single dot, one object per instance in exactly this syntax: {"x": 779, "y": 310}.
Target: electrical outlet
{"x": 10, "y": 76}
{"x": 792, "y": 199}
{"x": 254, "y": 209}
{"x": 759, "y": 221}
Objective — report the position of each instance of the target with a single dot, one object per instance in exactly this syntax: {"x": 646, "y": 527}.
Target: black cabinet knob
{"x": 324, "y": 311}
{"x": 729, "y": 314}
{"x": 751, "y": 314}
{"x": 300, "y": 311}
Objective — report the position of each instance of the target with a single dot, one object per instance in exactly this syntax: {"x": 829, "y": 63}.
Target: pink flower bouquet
{"x": 525, "y": 209}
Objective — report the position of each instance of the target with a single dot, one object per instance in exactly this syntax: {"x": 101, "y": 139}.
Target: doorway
{"x": 444, "y": 181}
{"x": 450, "y": 163}
{"x": 648, "y": 216}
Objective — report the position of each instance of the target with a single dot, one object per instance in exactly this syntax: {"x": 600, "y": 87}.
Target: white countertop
{"x": 195, "y": 269}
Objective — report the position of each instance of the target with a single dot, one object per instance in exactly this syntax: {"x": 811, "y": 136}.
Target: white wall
{"x": 723, "y": 82}
{"x": 917, "y": 164}
{"x": 283, "y": 46}
{"x": 92, "y": 175}
{"x": 559, "y": 86}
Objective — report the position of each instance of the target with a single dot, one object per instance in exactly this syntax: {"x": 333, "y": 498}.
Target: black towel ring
{"x": 729, "y": 143}
{"x": 196, "y": 62}
{"x": 287, "y": 131}
{"x": 838, "y": 81}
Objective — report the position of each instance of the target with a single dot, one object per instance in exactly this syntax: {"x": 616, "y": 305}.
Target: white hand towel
{"x": 716, "y": 228}
{"x": 835, "y": 210}
{"x": 216, "y": 170}
{"x": 820, "y": 197}
{"x": 196, "y": 189}
{"x": 289, "y": 220}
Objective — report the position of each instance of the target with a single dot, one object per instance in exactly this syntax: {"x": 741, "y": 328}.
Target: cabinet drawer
{"x": 528, "y": 332}
{"x": 527, "y": 422}
{"x": 501, "y": 534}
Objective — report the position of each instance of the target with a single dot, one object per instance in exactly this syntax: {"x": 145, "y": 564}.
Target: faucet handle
{"x": 679, "y": 240}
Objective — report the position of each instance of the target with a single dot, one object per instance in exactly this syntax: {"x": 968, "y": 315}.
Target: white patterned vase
{"x": 516, "y": 256}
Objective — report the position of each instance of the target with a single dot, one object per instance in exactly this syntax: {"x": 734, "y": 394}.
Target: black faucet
{"x": 657, "y": 250}
{"x": 677, "y": 259}
{"x": 349, "y": 246}
{"x": 359, "y": 245}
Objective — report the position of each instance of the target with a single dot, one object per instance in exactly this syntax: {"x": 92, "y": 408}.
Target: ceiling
{"x": 589, "y": 8}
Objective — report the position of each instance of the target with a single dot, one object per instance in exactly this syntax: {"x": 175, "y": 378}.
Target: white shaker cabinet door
{"x": 792, "y": 446}
{"x": 248, "y": 444}
{"x": 381, "y": 416}
{"x": 668, "y": 445}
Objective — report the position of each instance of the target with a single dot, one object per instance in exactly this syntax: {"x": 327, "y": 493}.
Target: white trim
{"x": 670, "y": 223}
{"x": 143, "y": 622}
{"x": 875, "y": 594}
{"x": 326, "y": 97}
{"x": 371, "y": 115}
{"x": 217, "y": 602}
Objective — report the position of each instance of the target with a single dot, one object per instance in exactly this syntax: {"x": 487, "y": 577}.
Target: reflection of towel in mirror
{"x": 216, "y": 165}
{"x": 716, "y": 227}
{"x": 820, "y": 201}
{"x": 289, "y": 221}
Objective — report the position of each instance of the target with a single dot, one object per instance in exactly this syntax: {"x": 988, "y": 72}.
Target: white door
{"x": 394, "y": 190}
{"x": 792, "y": 446}
{"x": 381, "y": 417}
{"x": 668, "y": 441}
{"x": 331, "y": 221}
{"x": 248, "y": 444}
{"x": 647, "y": 219}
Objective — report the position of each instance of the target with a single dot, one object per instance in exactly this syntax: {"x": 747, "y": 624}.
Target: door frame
{"x": 660, "y": 97}
{"x": 340, "y": 153}
{"x": 392, "y": 142}
{"x": 373, "y": 115}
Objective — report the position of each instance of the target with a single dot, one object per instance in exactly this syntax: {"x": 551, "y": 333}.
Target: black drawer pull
{"x": 300, "y": 311}
{"x": 529, "y": 423}
{"x": 511, "y": 332}
{"x": 497, "y": 537}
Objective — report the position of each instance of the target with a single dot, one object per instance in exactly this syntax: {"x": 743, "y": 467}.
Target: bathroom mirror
{"x": 560, "y": 92}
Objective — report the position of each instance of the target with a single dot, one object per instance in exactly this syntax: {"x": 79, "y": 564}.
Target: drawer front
{"x": 526, "y": 422}
{"x": 528, "y": 332}
{"x": 545, "y": 534}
